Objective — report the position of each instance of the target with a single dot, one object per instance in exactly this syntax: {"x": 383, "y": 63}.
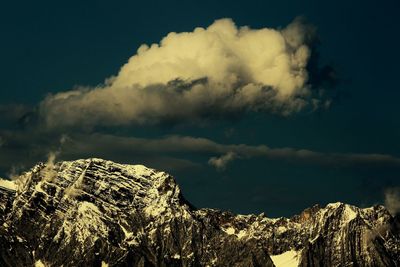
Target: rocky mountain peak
{"x": 96, "y": 212}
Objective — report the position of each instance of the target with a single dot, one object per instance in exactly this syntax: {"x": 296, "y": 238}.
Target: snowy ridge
{"x": 97, "y": 212}
{"x": 7, "y": 184}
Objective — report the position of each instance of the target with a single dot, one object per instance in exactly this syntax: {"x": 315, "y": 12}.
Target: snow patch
{"x": 229, "y": 230}
{"x": 38, "y": 188}
{"x": 8, "y": 184}
{"x": 349, "y": 213}
{"x": 242, "y": 234}
{"x": 39, "y": 263}
{"x": 126, "y": 232}
{"x": 314, "y": 239}
{"x": 85, "y": 207}
{"x": 176, "y": 256}
{"x": 83, "y": 223}
{"x": 334, "y": 205}
{"x": 140, "y": 170}
{"x": 289, "y": 258}
{"x": 232, "y": 231}
{"x": 281, "y": 229}
{"x": 158, "y": 205}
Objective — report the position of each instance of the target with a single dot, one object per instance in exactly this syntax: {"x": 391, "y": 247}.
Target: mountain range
{"x": 94, "y": 212}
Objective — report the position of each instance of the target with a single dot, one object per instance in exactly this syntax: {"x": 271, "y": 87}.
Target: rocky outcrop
{"x": 6, "y": 199}
{"x": 96, "y": 213}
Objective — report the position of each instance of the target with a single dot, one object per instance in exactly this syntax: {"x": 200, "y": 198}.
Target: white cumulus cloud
{"x": 210, "y": 71}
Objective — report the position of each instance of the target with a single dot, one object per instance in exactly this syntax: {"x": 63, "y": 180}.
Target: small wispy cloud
{"x": 392, "y": 200}
{"x": 221, "y": 162}
{"x": 221, "y": 154}
{"x": 172, "y": 152}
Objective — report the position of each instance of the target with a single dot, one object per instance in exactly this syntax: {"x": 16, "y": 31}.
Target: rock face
{"x": 99, "y": 213}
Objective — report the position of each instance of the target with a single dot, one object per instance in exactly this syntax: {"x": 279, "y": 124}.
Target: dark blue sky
{"x": 52, "y": 46}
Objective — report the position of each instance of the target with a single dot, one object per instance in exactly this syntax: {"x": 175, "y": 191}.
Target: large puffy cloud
{"x": 211, "y": 71}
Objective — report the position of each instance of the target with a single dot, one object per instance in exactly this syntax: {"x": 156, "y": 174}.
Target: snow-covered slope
{"x": 95, "y": 212}
{"x": 289, "y": 258}
{"x": 6, "y": 184}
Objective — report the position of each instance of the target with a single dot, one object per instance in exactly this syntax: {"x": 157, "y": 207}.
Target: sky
{"x": 253, "y": 106}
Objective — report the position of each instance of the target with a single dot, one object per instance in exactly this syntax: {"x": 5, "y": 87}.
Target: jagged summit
{"x": 91, "y": 212}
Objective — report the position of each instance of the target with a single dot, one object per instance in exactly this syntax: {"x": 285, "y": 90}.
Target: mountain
{"x": 95, "y": 212}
